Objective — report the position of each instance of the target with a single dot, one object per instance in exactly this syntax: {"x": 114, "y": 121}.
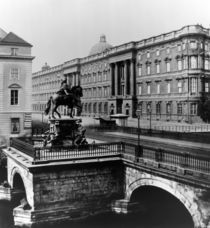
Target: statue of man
{"x": 64, "y": 89}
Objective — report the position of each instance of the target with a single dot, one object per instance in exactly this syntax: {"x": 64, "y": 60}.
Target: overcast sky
{"x": 60, "y": 30}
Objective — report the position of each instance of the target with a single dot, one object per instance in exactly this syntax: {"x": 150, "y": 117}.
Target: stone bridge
{"x": 67, "y": 183}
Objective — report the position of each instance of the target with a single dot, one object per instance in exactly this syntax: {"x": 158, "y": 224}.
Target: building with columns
{"x": 165, "y": 77}
{"x": 15, "y": 86}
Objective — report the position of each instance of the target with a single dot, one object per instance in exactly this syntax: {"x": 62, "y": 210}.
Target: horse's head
{"x": 77, "y": 91}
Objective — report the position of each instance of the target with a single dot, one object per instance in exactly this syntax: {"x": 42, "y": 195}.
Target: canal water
{"x": 150, "y": 219}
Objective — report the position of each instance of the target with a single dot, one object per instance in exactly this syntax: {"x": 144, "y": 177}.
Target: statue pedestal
{"x": 63, "y": 132}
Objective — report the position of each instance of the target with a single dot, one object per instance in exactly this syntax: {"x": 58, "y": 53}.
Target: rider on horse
{"x": 64, "y": 90}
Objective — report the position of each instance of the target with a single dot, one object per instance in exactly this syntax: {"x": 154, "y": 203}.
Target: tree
{"x": 204, "y": 110}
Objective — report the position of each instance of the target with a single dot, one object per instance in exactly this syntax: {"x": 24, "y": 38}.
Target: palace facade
{"x": 166, "y": 77}
{"x": 15, "y": 85}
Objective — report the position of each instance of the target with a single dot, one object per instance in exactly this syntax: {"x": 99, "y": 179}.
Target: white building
{"x": 15, "y": 86}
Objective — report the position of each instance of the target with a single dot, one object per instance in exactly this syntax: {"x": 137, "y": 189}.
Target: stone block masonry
{"x": 74, "y": 191}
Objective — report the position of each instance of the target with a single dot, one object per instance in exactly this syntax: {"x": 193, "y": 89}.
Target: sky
{"x": 61, "y": 30}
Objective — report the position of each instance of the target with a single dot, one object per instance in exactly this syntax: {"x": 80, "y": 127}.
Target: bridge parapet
{"x": 142, "y": 154}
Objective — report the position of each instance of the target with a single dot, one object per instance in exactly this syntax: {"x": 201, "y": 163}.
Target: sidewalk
{"x": 175, "y": 142}
{"x": 157, "y": 125}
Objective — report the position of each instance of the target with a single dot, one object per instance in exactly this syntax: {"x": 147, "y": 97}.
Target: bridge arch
{"x": 17, "y": 182}
{"x": 188, "y": 202}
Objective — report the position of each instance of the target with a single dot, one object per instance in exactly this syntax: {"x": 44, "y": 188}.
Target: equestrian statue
{"x": 67, "y": 97}
{"x": 65, "y": 132}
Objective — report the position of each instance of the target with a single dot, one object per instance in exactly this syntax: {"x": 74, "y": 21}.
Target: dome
{"x": 2, "y": 33}
{"x": 101, "y": 46}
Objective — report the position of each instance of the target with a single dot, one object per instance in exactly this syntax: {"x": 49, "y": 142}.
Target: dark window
{"x": 168, "y": 108}
{"x": 15, "y": 125}
{"x": 179, "y": 109}
{"x": 158, "y": 111}
{"x": 14, "y": 97}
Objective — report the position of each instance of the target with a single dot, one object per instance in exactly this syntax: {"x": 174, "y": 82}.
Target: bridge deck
{"x": 30, "y": 155}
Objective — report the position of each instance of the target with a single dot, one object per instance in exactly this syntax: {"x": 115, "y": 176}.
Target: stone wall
{"x": 77, "y": 190}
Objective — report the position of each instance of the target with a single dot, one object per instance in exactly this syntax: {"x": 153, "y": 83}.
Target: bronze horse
{"x": 72, "y": 100}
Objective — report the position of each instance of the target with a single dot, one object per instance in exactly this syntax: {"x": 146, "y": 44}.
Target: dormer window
{"x": 14, "y": 51}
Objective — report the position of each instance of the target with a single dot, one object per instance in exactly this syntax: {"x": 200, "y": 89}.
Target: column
{"x": 73, "y": 80}
{"x": 116, "y": 79}
{"x": 125, "y": 77}
{"x": 132, "y": 81}
{"x": 112, "y": 79}
{"x": 77, "y": 78}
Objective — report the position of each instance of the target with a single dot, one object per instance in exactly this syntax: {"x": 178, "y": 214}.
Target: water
{"x": 149, "y": 219}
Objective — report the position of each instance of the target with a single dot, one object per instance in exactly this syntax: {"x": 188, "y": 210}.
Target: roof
{"x": 101, "y": 46}
{"x": 13, "y": 39}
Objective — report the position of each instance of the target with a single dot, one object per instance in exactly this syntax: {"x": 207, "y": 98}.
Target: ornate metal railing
{"x": 120, "y": 149}
{"x": 86, "y": 151}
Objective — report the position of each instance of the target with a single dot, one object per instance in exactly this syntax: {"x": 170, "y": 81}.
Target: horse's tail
{"x": 48, "y": 106}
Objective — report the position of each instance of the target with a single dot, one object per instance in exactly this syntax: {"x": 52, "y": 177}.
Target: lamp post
{"x": 138, "y": 113}
{"x": 150, "y": 120}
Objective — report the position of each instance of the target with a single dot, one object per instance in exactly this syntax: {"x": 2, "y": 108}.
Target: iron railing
{"x": 119, "y": 149}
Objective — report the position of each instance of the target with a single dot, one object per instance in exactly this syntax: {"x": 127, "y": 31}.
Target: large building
{"x": 15, "y": 85}
{"x": 166, "y": 77}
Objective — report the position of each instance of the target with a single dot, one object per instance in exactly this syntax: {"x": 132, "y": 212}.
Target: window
{"x": 157, "y": 68}
{"x": 193, "y": 45}
{"x": 14, "y": 51}
{"x": 168, "y": 108}
{"x": 105, "y": 75}
{"x": 184, "y": 46}
{"x": 206, "y": 46}
{"x": 179, "y": 64}
{"x": 168, "y": 87}
{"x": 140, "y": 70}
{"x": 179, "y": 47}
{"x": 158, "y": 52}
{"x": 149, "y": 109}
{"x": 193, "y": 62}
{"x": 185, "y": 86}
{"x": 179, "y": 109}
{"x": 139, "y": 56}
{"x": 168, "y": 66}
{"x": 140, "y": 108}
{"x": 14, "y": 97}
{"x": 15, "y": 125}
{"x": 158, "y": 110}
{"x": 148, "y": 69}
{"x": 206, "y": 87}
{"x": 206, "y": 64}
{"x": 179, "y": 86}
{"x": 99, "y": 76}
{"x": 193, "y": 109}
{"x": 168, "y": 50}
{"x": 148, "y": 88}
{"x": 139, "y": 89}
{"x": 158, "y": 88}
{"x": 148, "y": 55}
{"x": 14, "y": 74}
{"x": 185, "y": 63}
{"x": 99, "y": 92}
{"x": 193, "y": 85}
